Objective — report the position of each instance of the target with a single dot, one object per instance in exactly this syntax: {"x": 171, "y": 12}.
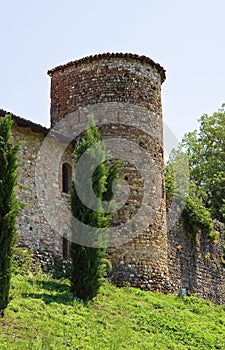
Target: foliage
{"x": 43, "y": 314}
{"x": 195, "y": 214}
{"x": 9, "y": 206}
{"x": 197, "y": 217}
{"x": 177, "y": 177}
{"x": 184, "y": 193}
{"x": 205, "y": 149}
{"x": 22, "y": 261}
{"x": 205, "y": 152}
{"x": 88, "y": 262}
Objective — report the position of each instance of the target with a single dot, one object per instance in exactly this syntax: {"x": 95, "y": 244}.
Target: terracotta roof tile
{"x": 91, "y": 58}
{"x": 26, "y": 123}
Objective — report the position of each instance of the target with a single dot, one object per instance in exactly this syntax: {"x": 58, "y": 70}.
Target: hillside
{"x": 43, "y": 315}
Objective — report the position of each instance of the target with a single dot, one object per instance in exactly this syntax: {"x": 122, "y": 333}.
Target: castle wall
{"x": 195, "y": 262}
{"x": 35, "y": 231}
{"x": 106, "y": 78}
{"x": 123, "y": 92}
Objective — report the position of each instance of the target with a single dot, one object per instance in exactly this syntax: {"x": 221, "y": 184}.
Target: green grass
{"x": 43, "y": 315}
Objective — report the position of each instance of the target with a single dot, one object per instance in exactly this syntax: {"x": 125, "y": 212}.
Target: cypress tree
{"x": 88, "y": 261}
{"x": 9, "y": 206}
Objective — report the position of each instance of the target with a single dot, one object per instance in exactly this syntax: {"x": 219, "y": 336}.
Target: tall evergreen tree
{"x": 9, "y": 206}
{"x": 88, "y": 261}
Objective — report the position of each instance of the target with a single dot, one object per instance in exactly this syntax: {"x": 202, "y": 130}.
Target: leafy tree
{"x": 205, "y": 149}
{"x": 183, "y": 195}
{"x": 88, "y": 260}
{"x": 177, "y": 176}
{"x": 9, "y": 206}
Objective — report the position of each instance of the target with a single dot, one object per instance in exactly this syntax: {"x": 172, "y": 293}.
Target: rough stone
{"x": 153, "y": 259}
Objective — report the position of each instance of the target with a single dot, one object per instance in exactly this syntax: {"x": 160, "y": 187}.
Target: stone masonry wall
{"x": 195, "y": 262}
{"x": 123, "y": 92}
{"x": 105, "y": 78}
{"x": 34, "y": 229}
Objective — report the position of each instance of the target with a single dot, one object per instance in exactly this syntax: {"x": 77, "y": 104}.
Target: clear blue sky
{"x": 185, "y": 37}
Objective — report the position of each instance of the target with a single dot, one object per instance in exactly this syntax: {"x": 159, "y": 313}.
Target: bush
{"x": 197, "y": 217}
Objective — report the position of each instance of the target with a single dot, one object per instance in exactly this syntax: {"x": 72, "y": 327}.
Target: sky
{"x": 185, "y": 37}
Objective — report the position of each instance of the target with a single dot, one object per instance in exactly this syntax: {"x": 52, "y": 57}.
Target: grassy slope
{"x": 43, "y": 315}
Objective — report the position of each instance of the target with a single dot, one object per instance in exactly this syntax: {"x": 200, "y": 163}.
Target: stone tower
{"x": 123, "y": 92}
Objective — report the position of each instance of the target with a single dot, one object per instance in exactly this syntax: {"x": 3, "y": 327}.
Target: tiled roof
{"x": 87, "y": 59}
{"x": 26, "y": 123}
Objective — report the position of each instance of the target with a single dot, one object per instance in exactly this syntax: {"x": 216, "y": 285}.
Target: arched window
{"x": 66, "y": 177}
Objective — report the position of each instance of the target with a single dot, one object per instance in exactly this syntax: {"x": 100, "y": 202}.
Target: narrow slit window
{"x": 66, "y": 177}
{"x": 66, "y": 248}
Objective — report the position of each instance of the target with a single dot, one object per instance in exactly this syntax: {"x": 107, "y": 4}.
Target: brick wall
{"x": 123, "y": 92}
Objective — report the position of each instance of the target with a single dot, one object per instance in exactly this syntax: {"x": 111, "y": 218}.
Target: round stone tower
{"x": 123, "y": 92}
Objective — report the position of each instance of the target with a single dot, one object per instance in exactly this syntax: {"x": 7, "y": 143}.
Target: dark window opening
{"x": 66, "y": 250}
{"x": 163, "y": 189}
{"x": 66, "y": 177}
